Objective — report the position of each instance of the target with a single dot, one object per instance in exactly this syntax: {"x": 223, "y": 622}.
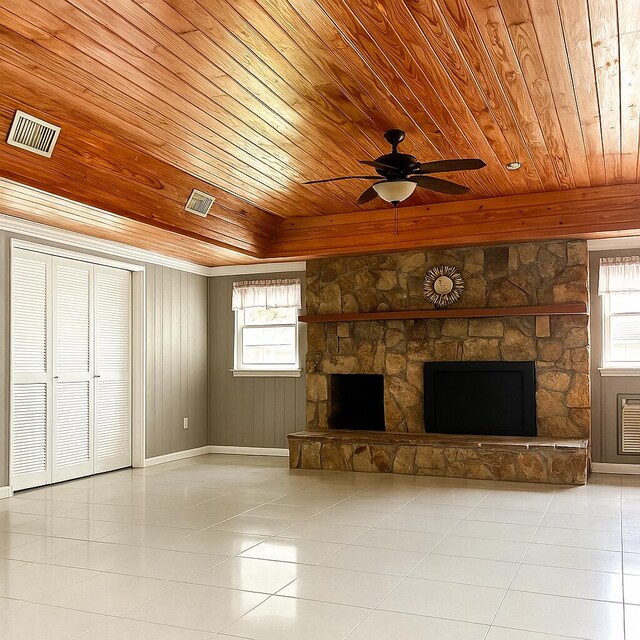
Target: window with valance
{"x": 266, "y": 336}
{"x": 619, "y": 286}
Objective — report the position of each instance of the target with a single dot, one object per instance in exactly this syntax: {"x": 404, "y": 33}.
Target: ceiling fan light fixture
{"x": 513, "y": 166}
{"x": 394, "y": 190}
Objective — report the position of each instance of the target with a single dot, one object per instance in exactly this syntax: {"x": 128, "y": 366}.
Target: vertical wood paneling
{"x": 248, "y": 412}
{"x": 198, "y": 365}
{"x": 168, "y": 338}
{"x": 150, "y": 283}
{"x": 185, "y": 329}
{"x": 190, "y": 340}
{"x": 176, "y": 360}
{"x": 156, "y": 433}
{"x": 269, "y": 412}
{"x": 258, "y": 410}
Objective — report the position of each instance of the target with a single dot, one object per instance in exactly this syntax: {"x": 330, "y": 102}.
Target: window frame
{"x": 609, "y": 365}
{"x": 270, "y": 369}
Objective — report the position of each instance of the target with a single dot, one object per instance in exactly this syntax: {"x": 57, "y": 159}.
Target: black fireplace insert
{"x": 480, "y": 398}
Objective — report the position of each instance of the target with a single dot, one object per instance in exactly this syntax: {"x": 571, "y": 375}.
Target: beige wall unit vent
{"x": 33, "y": 134}
{"x": 629, "y": 424}
{"x": 199, "y": 203}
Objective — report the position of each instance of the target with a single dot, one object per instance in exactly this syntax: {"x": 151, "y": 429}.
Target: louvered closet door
{"x": 30, "y": 349}
{"x": 72, "y": 433}
{"x": 112, "y": 365}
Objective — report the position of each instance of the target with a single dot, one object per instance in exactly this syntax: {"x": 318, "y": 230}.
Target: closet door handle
{"x": 96, "y": 376}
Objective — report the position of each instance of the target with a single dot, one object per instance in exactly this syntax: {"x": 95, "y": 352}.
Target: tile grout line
{"x": 520, "y": 563}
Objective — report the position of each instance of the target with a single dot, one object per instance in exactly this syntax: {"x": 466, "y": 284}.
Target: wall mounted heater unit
{"x": 629, "y": 424}
{"x": 33, "y": 134}
{"x": 199, "y": 203}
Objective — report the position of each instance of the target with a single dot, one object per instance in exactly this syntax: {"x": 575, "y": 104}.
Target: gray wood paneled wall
{"x": 248, "y": 412}
{"x": 177, "y": 376}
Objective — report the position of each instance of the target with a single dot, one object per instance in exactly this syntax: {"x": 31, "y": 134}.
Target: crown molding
{"x": 89, "y": 243}
{"x": 254, "y": 269}
{"x": 32, "y": 230}
{"x": 611, "y": 244}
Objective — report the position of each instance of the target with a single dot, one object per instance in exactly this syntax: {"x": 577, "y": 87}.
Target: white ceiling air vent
{"x": 33, "y": 134}
{"x": 199, "y": 203}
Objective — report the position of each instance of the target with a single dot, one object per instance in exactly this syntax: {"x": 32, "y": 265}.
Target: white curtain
{"x": 619, "y": 275}
{"x": 270, "y": 294}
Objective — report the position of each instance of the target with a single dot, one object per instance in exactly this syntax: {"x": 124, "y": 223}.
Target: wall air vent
{"x": 199, "y": 203}
{"x": 629, "y": 424}
{"x": 33, "y": 134}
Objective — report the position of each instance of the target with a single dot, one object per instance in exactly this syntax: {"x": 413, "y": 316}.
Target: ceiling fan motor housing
{"x": 403, "y": 164}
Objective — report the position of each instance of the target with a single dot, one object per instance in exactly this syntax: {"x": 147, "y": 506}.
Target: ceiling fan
{"x": 402, "y": 173}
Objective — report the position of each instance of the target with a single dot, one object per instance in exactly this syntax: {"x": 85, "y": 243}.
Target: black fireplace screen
{"x": 480, "y": 398}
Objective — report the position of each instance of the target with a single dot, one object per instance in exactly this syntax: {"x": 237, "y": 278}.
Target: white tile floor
{"x": 225, "y": 547}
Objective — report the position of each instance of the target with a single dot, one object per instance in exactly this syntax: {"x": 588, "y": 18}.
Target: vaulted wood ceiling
{"x": 247, "y": 99}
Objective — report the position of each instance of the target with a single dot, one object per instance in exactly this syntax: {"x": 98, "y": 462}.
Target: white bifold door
{"x": 71, "y": 327}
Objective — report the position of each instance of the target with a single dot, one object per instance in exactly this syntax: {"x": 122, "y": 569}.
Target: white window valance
{"x": 270, "y": 294}
{"x": 619, "y": 275}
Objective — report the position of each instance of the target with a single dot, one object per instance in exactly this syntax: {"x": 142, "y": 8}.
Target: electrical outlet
{"x": 186, "y": 423}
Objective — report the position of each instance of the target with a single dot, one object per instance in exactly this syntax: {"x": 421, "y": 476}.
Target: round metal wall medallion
{"x": 443, "y": 285}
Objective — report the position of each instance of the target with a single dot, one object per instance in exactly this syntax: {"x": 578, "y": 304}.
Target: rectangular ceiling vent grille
{"x": 199, "y": 203}
{"x": 33, "y": 134}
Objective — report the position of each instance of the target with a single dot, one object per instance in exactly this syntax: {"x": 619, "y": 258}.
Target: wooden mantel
{"x": 540, "y": 310}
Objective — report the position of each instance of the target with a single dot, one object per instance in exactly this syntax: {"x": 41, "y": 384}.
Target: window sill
{"x": 266, "y": 373}
{"x": 619, "y": 371}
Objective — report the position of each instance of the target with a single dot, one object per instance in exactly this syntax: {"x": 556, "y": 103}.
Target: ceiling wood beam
{"x": 596, "y": 212}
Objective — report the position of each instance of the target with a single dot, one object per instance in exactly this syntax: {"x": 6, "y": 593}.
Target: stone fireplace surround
{"x": 529, "y": 274}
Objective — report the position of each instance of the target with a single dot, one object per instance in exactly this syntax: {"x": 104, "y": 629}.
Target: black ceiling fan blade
{"x": 437, "y": 184}
{"x": 377, "y": 165}
{"x": 367, "y": 195}
{"x": 461, "y": 164}
{"x": 343, "y": 178}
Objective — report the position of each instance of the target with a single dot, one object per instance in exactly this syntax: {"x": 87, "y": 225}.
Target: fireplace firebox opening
{"x": 480, "y": 398}
{"x": 357, "y": 401}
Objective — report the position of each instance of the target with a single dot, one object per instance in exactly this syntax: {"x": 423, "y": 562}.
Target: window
{"x": 619, "y": 286}
{"x": 621, "y": 330}
{"x": 266, "y": 327}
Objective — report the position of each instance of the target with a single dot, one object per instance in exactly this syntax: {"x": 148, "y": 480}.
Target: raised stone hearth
{"x": 548, "y": 460}
{"x": 533, "y": 274}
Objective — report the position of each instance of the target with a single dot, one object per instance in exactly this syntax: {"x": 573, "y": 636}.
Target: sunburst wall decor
{"x": 443, "y": 285}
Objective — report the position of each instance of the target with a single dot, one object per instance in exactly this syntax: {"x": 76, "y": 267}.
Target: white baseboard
{"x": 178, "y": 455}
{"x": 611, "y": 467}
{"x": 5, "y": 492}
{"x": 249, "y": 451}
{"x": 200, "y": 451}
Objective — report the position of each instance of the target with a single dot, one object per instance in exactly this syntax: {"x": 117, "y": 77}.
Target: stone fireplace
{"x": 524, "y": 275}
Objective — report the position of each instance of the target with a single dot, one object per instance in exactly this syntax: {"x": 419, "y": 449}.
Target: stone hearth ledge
{"x": 521, "y": 459}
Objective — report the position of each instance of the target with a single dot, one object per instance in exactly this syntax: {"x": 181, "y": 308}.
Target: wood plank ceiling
{"x": 247, "y": 99}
